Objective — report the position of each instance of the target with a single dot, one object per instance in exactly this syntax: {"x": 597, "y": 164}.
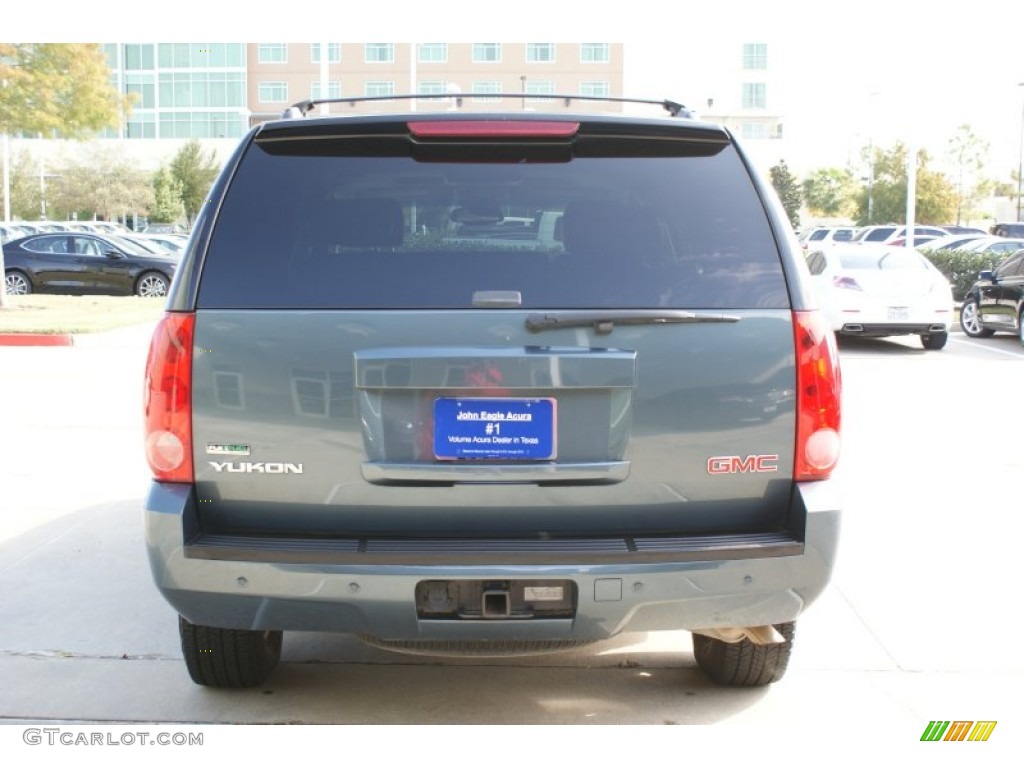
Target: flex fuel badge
{"x": 227, "y": 449}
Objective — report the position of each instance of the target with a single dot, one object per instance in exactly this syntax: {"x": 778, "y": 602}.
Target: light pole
{"x": 1020, "y": 156}
{"x": 871, "y": 180}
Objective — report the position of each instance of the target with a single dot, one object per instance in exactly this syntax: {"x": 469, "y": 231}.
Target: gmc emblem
{"x": 735, "y": 465}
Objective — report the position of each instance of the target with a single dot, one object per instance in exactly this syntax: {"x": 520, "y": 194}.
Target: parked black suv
{"x": 491, "y": 382}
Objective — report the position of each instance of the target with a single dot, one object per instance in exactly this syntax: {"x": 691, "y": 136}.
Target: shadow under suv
{"x": 499, "y": 383}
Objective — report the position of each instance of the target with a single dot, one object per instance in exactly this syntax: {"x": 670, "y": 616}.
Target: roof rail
{"x": 302, "y": 108}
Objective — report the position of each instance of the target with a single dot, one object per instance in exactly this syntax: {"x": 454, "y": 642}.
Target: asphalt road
{"x": 919, "y": 624}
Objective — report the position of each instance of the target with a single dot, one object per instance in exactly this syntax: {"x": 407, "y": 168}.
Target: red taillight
{"x": 492, "y": 128}
{"x": 167, "y": 399}
{"x": 818, "y": 388}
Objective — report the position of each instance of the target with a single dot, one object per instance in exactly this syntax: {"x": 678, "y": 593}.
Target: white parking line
{"x": 1019, "y": 355}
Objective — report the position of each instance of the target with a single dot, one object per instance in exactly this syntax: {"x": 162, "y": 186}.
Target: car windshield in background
{"x": 128, "y": 246}
{"x": 307, "y": 227}
{"x": 895, "y": 259}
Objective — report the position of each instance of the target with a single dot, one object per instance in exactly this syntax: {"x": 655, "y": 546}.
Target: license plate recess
{"x": 510, "y": 429}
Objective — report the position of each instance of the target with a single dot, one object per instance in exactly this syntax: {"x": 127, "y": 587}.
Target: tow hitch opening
{"x": 497, "y": 604}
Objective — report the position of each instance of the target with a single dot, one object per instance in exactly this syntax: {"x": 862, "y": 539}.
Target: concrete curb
{"x": 36, "y": 340}
{"x": 125, "y": 335}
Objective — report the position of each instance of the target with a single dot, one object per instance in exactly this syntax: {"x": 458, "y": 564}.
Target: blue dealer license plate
{"x": 488, "y": 428}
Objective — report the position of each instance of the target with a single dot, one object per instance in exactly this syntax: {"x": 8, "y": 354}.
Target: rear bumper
{"x": 721, "y": 585}
{"x": 872, "y": 318}
{"x": 892, "y": 329}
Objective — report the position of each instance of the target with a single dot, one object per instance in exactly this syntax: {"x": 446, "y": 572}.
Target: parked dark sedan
{"x": 996, "y": 301}
{"x": 78, "y": 262}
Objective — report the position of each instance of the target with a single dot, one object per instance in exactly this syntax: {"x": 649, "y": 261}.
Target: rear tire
{"x": 744, "y": 664}
{"x": 17, "y": 283}
{"x": 1020, "y": 326}
{"x": 934, "y": 340}
{"x": 229, "y": 658}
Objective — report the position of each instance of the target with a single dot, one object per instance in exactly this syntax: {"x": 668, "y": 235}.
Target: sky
{"x": 850, "y": 72}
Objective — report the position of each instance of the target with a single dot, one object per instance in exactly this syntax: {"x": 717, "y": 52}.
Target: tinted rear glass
{"x": 310, "y": 225}
{"x": 878, "y": 235}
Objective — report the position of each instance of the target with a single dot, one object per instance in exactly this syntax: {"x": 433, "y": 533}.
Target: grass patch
{"x": 39, "y": 313}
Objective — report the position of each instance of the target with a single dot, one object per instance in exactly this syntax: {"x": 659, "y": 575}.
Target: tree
{"x": 936, "y": 196}
{"x": 24, "y": 189}
{"x": 102, "y": 182}
{"x": 788, "y": 189}
{"x": 195, "y": 171}
{"x": 167, "y": 206}
{"x": 57, "y": 88}
{"x": 48, "y": 88}
{"x": 830, "y": 192}
{"x": 1004, "y": 188}
{"x": 968, "y": 154}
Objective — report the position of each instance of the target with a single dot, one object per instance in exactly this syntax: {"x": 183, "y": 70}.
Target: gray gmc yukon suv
{"x": 491, "y": 383}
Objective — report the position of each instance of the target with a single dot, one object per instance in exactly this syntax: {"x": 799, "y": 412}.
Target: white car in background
{"x": 882, "y": 290}
{"x": 820, "y": 236}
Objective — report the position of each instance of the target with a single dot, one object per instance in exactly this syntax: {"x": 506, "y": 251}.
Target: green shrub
{"x": 962, "y": 268}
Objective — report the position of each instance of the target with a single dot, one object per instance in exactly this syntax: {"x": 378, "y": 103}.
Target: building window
{"x": 379, "y": 88}
{"x": 433, "y": 53}
{"x": 333, "y": 53}
{"x": 184, "y": 55}
{"x": 753, "y": 130}
{"x": 273, "y": 53}
{"x": 753, "y": 96}
{"x": 333, "y": 90}
{"x": 534, "y": 88}
{"x": 141, "y": 125}
{"x": 540, "y": 52}
{"x": 484, "y": 53}
{"x": 595, "y": 88}
{"x": 138, "y": 57}
{"x": 201, "y": 89}
{"x": 755, "y": 56}
{"x": 430, "y": 86}
{"x": 379, "y": 53}
{"x": 144, "y": 89}
{"x": 272, "y": 91}
{"x": 223, "y": 54}
{"x": 203, "y": 55}
{"x": 202, "y": 125}
{"x": 597, "y": 53}
{"x": 485, "y": 86}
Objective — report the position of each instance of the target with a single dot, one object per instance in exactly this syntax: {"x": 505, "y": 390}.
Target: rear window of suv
{"x": 322, "y": 224}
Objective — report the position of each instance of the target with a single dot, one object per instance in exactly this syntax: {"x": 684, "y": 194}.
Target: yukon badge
{"x": 259, "y": 467}
{"x": 738, "y": 465}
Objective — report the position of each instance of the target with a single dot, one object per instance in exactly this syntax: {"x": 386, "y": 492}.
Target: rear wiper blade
{"x": 604, "y": 320}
